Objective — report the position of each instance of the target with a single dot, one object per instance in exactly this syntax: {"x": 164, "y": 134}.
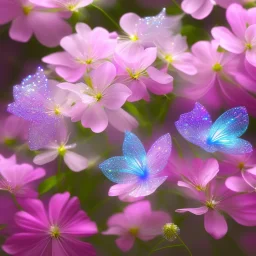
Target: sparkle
{"x": 217, "y": 67}
{"x": 55, "y": 232}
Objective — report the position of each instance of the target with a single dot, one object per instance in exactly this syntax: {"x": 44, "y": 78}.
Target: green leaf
{"x": 50, "y": 183}
{"x": 194, "y": 34}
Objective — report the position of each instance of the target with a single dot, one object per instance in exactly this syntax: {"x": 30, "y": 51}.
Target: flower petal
{"x": 197, "y": 211}
{"x": 45, "y": 157}
{"x": 75, "y": 162}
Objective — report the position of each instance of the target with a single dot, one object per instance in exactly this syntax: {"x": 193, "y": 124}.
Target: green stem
{"x": 175, "y": 3}
{"x": 190, "y": 253}
{"x": 165, "y": 247}
{"x": 159, "y": 242}
{"x": 59, "y": 165}
{"x": 112, "y": 20}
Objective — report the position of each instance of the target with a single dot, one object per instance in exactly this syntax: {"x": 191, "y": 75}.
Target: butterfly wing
{"x": 135, "y": 151}
{"x": 120, "y": 169}
{"x": 194, "y": 126}
{"x": 159, "y": 153}
{"x": 224, "y": 133}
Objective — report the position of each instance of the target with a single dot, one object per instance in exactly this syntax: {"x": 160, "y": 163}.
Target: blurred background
{"x": 155, "y": 118}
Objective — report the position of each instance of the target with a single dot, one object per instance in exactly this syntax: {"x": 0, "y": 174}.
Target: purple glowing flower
{"x": 34, "y": 102}
{"x": 137, "y": 173}
{"x": 28, "y": 19}
{"x": 137, "y": 221}
{"x": 54, "y": 230}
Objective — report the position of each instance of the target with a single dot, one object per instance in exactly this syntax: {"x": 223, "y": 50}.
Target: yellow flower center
{"x": 72, "y": 7}
{"x": 9, "y": 141}
{"x": 248, "y": 46}
{"x": 62, "y": 150}
{"x": 168, "y": 58}
{"x": 98, "y": 96}
{"x": 135, "y": 75}
{"x": 57, "y": 111}
{"x": 241, "y": 166}
{"x": 134, "y": 231}
{"x": 199, "y": 188}
{"x": 54, "y": 232}
{"x": 134, "y": 38}
{"x": 27, "y": 9}
{"x": 217, "y": 67}
{"x": 210, "y": 204}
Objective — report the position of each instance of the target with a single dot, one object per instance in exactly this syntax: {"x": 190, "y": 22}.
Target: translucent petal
{"x": 159, "y": 153}
{"x": 194, "y": 126}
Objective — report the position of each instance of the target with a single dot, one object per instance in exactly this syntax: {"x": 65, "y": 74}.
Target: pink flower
{"x": 28, "y": 19}
{"x": 97, "y": 97}
{"x": 59, "y": 147}
{"x": 17, "y": 178}
{"x": 215, "y": 82}
{"x": 142, "y": 32}
{"x": 66, "y": 5}
{"x": 242, "y": 39}
{"x": 136, "y": 221}
{"x": 140, "y": 76}
{"x": 198, "y": 9}
{"x": 217, "y": 200}
{"x": 172, "y": 50}
{"x": 9, "y": 132}
{"x": 54, "y": 230}
{"x": 84, "y": 51}
{"x": 198, "y": 174}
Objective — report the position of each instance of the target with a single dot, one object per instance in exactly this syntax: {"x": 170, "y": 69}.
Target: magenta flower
{"x": 28, "y": 19}
{"x": 218, "y": 199}
{"x": 242, "y": 39}
{"x": 140, "y": 76}
{"x": 84, "y": 51}
{"x": 97, "y": 97}
{"x": 59, "y": 147}
{"x": 172, "y": 50}
{"x": 137, "y": 221}
{"x": 17, "y": 178}
{"x": 65, "y": 5}
{"x": 54, "y": 230}
{"x": 215, "y": 82}
{"x": 198, "y": 174}
{"x": 198, "y": 9}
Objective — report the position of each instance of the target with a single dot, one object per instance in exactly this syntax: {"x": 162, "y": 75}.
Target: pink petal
{"x": 197, "y": 211}
{"x": 95, "y": 118}
{"x": 128, "y": 23}
{"x": 227, "y": 40}
{"x": 71, "y": 74}
{"x": 56, "y": 206}
{"x": 36, "y": 174}
{"x": 125, "y": 243}
{"x": 103, "y": 76}
{"x": 251, "y": 56}
{"x": 159, "y": 76}
{"x": 114, "y": 231}
{"x": 191, "y": 6}
{"x": 157, "y": 88}
{"x": 184, "y": 63}
{"x": 120, "y": 189}
{"x": 137, "y": 211}
{"x": 20, "y": 29}
{"x": 9, "y": 10}
{"x": 159, "y": 153}
{"x": 237, "y": 19}
{"x": 83, "y": 3}
{"x": 138, "y": 89}
{"x": 83, "y": 30}
{"x": 215, "y": 224}
{"x": 237, "y": 184}
{"x": 121, "y": 120}
{"x": 204, "y": 10}
{"x": 45, "y": 157}
{"x": 75, "y": 162}
{"x": 61, "y": 59}
{"x": 115, "y": 96}
{"x": 148, "y": 56}
{"x": 45, "y": 32}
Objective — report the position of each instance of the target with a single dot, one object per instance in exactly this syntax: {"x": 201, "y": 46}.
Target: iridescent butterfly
{"x": 138, "y": 173}
{"x": 222, "y": 135}
{"x": 31, "y": 102}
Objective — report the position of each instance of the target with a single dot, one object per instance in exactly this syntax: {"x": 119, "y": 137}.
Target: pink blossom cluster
{"x": 87, "y": 86}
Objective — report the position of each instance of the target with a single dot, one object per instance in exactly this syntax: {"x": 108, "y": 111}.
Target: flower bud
{"x": 170, "y": 231}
